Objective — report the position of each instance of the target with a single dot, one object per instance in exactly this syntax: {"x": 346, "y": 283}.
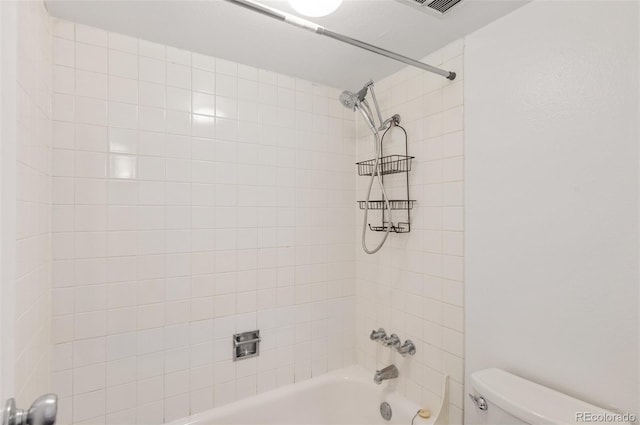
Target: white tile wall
{"x": 192, "y": 198}
{"x": 33, "y": 203}
{"x": 195, "y": 197}
{"x": 414, "y": 285}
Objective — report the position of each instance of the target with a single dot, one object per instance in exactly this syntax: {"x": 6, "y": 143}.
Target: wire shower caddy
{"x": 390, "y": 164}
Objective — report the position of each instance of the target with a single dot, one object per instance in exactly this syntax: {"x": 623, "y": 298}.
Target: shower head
{"x": 354, "y": 102}
{"x": 349, "y": 100}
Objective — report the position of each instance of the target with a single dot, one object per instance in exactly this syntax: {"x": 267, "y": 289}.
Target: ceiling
{"x": 222, "y": 29}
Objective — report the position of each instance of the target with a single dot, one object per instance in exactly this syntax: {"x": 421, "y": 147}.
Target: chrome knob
{"x": 479, "y": 401}
{"x": 407, "y": 349}
{"x": 377, "y": 335}
{"x": 391, "y": 341}
{"x": 11, "y": 415}
{"x": 43, "y": 411}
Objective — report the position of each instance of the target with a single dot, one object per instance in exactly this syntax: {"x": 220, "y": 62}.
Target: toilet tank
{"x": 513, "y": 400}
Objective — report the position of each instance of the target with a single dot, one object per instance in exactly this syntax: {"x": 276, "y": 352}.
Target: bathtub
{"x": 343, "y": 397}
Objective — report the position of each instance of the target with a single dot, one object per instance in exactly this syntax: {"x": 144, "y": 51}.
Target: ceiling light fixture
{"x": 315, "y": 8}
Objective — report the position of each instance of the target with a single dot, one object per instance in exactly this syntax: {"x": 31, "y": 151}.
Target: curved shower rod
{"x": 308, "y": 25}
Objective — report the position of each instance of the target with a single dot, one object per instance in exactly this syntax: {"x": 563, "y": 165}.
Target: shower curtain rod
{"x": 308, "y": 25}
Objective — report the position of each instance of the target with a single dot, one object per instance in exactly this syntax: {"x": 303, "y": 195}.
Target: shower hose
{"x": 375, "y": 174}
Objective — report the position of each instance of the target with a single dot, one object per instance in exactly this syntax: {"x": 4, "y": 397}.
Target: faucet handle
{"x": 391, "y": 341}
{"x": 407, "y": 349}
{"x": 377, "y": 335}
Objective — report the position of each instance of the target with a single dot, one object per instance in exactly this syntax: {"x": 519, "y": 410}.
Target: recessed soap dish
{"x": 246, "y": 345}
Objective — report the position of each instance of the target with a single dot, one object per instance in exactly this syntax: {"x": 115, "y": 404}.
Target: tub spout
{"x": 389, "y": 372}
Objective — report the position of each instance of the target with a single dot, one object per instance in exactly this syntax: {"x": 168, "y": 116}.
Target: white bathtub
{"x": 343, "y": 397}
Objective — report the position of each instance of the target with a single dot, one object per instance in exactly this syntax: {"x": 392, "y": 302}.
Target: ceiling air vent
{"x": 438, "y": 6}
{"x": 442, "y": 6}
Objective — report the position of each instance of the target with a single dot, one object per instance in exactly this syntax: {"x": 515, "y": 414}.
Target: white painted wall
{"x": 33, "y": 203}
{"x": 551, "y": 173}
{"x": 8, "y": 35}
{"x": 25, "y": 199}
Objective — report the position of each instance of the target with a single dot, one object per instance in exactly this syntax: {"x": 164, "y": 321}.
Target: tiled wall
{"x": 192, "y": 198}
{"x": 414, "y": 286}
{"x": 195, "y": 197}
{"x": 33, "y": 203}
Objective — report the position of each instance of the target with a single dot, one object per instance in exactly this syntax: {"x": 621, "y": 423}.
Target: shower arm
{"x": 308, "y": 25}
{"x": 383, "y": 124}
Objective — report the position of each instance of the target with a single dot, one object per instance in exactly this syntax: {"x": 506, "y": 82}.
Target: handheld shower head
{"x": 349, "y": 100}
{"x": 355, "y": 101}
